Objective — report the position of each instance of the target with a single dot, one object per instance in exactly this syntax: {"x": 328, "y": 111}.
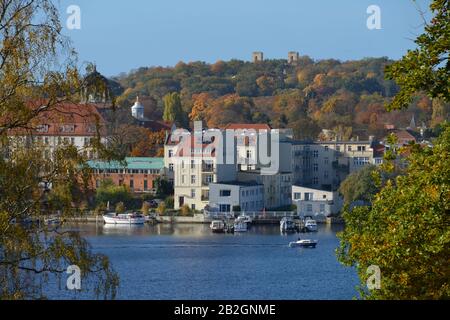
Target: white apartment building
{"x": 226, "y": 196}
{"x": 325, "y": 164}
{"x": 196, "y": 163}
{"x": 277, "y": 187}
{"x": 316, "y": 203}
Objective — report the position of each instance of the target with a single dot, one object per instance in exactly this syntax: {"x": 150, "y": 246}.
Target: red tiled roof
{"x": 65, "y": 119}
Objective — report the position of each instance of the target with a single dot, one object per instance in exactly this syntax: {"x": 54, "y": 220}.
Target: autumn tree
{"x": 405, "y": 231}
{"x": 426, "y": 68}
{"x": 31, "y": 184}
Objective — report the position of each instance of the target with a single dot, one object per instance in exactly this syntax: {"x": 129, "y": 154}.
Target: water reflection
{"x": 187, "y": 230}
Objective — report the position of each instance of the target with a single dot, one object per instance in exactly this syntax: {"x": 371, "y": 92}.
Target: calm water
{"x": 190, "y": 262}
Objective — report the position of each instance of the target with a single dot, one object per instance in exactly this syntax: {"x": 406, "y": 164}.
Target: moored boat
{"x": 240, "y": 226}
{"x": 217, "y": 226}
{"x": 125, "y": 218}
{"x": 287, "y": 225}
{"x": 311, "y": 225}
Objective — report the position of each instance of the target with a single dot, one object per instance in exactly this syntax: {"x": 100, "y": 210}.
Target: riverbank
{"x": 199, "y": 219}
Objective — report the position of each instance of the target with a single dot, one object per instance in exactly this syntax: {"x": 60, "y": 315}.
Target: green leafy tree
{"x": 359, "y": 185}
{"x": 109, "y": 192}
{"x": 406, "y": 229}
{"x": 426, "y": 68}
{"x": 36, "y": 63}
{"x": 173, "y": 110}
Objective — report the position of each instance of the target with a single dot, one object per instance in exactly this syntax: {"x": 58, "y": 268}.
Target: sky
{"x": 119, "y": 36}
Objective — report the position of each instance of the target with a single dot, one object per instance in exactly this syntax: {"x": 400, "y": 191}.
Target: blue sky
{"x": 123, "y": 35}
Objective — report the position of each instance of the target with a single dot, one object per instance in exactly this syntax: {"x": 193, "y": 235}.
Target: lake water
{"x": 188, "y": 261}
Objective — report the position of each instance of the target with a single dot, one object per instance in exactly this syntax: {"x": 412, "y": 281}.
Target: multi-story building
{"x": 316, "y": 203}
{"x": 277, "y": 187}
{"x": 227, "y": 196}
{"x": 139, "y": 174}
{"x": 325, "y": 164}
{"x": 196, "y": 162}
{"x": 64, "y": 123}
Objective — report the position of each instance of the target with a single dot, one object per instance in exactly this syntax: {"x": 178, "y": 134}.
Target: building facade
{"x": 227, "y": 196}
{"x": 80, "y": 125}
{"x": 325, "y": 164}
{"x": 138, "y": 174}
{"x": 316, "y": 203}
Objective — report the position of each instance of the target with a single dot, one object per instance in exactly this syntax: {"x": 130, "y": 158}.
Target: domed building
{"x": 137, "y": 110}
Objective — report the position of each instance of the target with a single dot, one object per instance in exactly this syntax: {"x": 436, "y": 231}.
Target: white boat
{"x": 52, "y": 220}
{"x": 306, "y": 243}
{"x": 125, "y": 218}
{"x": 311, "y": 225}
{"x": 240, "y": 226}
{"x": 217, "y": 226}
{"x": 244, "y": 218}
{"x": 287, "y": 225}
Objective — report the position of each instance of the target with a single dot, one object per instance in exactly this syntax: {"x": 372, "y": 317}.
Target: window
{"x": 193, "y": 179}
{"x": 309, "y": 207}
{"x": 192, "y": 193}
{"x": 322, "y": 207}
{"x": 209, "y": 178}
{"x": 182, "y": 179}
{"x": 170, "y": 153}
{"x": 315, "y": 180}
{"x": 361, "y": 148}
{"x": 338, "y": 148}
{"x": 326, "y": 160}
{"x": 67, "y": 128}
{"x": 308, "y": 196}
{"x": 325, "y": 174}
{"x": 316, "y": 153}
{"x": 145, "y": 185}
{"x": 72, "y": 140}
{"x": 193, "y": 206}
{"x": 224, "y": 208}
{"x": 42, "y": 128}
{"x": 349, "y": 148}
{"x": 327, "y": 148}
{"x": 297, "y": 195}
{"x": 131, "y": 184}
{"x": 225, "y": 193}
{"x": 182, "y": 164}
{"x": 192, "y": 164}
{"x": 316, "y": 167}
{"x": 171, "y": 167}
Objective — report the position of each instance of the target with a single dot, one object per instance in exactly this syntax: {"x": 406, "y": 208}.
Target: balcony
{"x": 340, "y": 167}
{"x": 208, "y": 168}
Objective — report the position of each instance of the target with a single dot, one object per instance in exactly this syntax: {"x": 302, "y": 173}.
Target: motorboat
{"x": 52, "y": 220}
{"x": 217, "y": 226}
{"x": 311, "y": 225}
{"x": 287, "y": 225}
{"x": 124, "y": 218}
{"x": 244, "y": 218}
{"x": 305, "y": 243}
{"x": 240, "y": 226}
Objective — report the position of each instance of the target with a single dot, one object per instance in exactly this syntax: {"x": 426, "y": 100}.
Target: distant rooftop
{"x": 143, "y": 163}
{"x": 239, "y": 183}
